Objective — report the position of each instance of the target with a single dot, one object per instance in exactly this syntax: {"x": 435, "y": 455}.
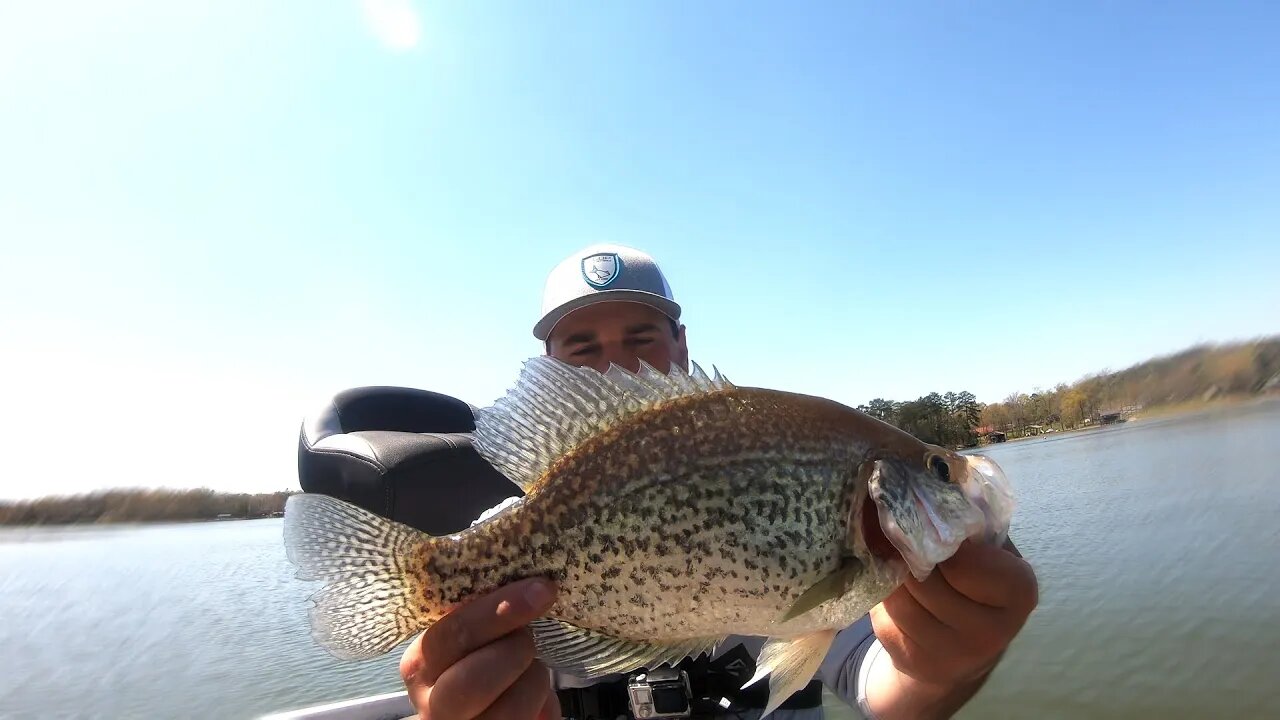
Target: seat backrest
{"x": 403, "y": 453}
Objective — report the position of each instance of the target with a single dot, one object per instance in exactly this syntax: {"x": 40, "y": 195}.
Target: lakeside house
{"x": 1118, "y": 415}
{"x": 990, "y": 434}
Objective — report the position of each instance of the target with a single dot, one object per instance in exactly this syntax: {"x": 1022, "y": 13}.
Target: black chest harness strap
{"x": 711, "y": 683}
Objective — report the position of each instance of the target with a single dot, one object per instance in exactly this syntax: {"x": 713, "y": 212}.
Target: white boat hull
{"x": 390, "y": 706}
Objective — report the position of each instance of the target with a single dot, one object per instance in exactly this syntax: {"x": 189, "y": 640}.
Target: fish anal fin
{"x": 790, "y": 664}
{"x": 591, "y": 653}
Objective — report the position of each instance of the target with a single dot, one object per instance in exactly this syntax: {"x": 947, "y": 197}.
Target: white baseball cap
{"x": 601, "y": 273}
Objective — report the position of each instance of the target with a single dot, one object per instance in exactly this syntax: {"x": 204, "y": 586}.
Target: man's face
{"x": 621, "y": 333}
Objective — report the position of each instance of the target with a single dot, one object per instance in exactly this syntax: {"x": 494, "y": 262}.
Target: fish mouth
{"x": 871, "y": 543}
{"x": 876, "y": 541}
{"x": 906, "y": 521}
{"x": 907, "y": 515}
{"x": 989, "y": 490}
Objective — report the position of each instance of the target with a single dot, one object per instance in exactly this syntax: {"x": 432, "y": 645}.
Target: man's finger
{"x": 991, "y": 576}
{"x": 525, "y": 699}
{"x": 480, "y": 622}
{"x": 472, "y": 684}
{"x": 907, "y": 655}
{"x": 917, "y": 623}
{"x": 551, "y": 707}
{"x": 950, "y": 607}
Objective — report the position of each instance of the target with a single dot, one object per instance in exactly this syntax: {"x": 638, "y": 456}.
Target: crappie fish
{"x": 672, "y": 510}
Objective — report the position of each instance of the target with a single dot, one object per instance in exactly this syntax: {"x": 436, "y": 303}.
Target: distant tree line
{"x": 1199, "y": 374}
{"x": 141, "y": 505}
{"x": 1196, "y": 375}
{"x": 949, "y": 420}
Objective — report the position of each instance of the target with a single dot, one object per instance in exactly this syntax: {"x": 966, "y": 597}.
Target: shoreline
{"x": 1194, "y": 407}
{"x": 87, "y": 524}
{"x": 1147, "y": 415}
{"x": 1158, "y": 412}
{"x": 133, "y": 505}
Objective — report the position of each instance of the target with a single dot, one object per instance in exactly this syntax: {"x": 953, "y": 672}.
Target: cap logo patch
{"x": 601, "y": 269}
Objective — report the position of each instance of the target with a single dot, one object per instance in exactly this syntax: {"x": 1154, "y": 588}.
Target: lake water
{"x": 1157, "y": 545}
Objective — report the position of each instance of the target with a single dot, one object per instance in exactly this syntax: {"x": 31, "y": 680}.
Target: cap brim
{"x": 667, "y": 307}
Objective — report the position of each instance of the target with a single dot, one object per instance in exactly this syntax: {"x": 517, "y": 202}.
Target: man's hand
{"x": 946, "y": 634}
{"x": 478, "y": 661}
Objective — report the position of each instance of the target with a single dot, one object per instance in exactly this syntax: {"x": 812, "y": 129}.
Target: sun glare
{"x": 394, "y": 22}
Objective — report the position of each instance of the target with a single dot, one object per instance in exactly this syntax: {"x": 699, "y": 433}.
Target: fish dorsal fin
{"x": 555, "y": 406}
{"x": 589, "y": 653}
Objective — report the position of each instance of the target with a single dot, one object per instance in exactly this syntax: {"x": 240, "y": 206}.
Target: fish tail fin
{"x": 365, "y": 607}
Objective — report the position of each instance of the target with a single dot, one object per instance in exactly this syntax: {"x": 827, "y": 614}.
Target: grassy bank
{"x": 1193, "y": 407}
{"x": 1164, "y": 412}
{"x": 130, "y": 505}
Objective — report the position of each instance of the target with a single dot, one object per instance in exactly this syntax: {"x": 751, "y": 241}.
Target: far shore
{"x": 131, "y": 521}
{"x": 56, "y": 509}
{"x": 1157, "y": 412}
{"x": 134, "y": 505}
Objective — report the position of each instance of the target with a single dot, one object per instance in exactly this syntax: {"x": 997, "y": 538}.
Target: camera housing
{"x": 661, "y": 693}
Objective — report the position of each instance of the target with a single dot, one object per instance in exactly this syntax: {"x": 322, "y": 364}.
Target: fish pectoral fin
{"x": 828, "y": 588}
{"x": 590, "y": 653}
{"x": 790, "y": 664}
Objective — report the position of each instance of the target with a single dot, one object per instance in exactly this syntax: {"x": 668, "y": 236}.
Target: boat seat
{"x": 402, "y": 453}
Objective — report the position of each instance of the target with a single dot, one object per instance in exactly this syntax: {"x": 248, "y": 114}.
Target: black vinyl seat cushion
{"x": 403, "y": 453}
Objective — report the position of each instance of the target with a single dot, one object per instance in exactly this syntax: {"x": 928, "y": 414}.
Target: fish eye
{"x": 939, "y": 466}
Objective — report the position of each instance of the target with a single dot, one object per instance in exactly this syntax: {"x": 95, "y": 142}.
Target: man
{"x": 922, "y": 653}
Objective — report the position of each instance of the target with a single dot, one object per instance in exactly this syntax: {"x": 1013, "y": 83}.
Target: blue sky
{"x": 213, "y": 215}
